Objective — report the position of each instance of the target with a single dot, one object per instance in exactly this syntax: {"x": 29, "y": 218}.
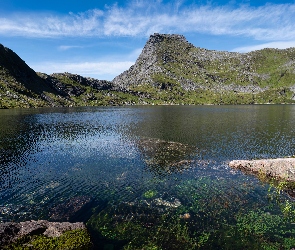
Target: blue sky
{"x": 101, "y": 39}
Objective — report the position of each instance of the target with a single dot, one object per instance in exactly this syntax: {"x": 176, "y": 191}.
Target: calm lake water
{"x": 158, "y": 172}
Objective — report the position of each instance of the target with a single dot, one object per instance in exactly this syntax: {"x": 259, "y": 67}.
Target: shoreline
{"x": 146, "y": 105}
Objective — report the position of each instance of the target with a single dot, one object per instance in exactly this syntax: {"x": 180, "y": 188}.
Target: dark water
{"x": 134, "y": 166}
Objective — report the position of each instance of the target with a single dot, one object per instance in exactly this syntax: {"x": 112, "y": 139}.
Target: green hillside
{"x": 169, "y": 70}
{"x": 19, "y": 84}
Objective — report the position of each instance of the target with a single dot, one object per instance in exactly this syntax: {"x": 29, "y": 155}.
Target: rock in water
{"x": 165, "y": 157}
{"x": 71, "y": 209}
{"x": 10, "y": 232}
{"x": 281, "y": 168}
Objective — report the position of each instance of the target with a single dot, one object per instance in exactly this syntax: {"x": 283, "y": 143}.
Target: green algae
{"x": 149, "y": 194}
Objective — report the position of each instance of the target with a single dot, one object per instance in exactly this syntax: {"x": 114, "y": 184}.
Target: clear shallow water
{"x": 136, "y": 165}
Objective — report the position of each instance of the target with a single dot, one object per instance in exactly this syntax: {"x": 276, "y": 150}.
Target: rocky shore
{"x": 61, "y": 232}
{"x": 281, "y": 168}
{"x": 33, "y": 233}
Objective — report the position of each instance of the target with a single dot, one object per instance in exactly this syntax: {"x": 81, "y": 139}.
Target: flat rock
{"x": 281, "y": 168}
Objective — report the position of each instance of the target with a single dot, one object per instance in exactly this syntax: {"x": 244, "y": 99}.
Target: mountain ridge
{"x": 170, "y": 70}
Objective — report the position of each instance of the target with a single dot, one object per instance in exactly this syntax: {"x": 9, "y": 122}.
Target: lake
{"x": 150, "y": 177}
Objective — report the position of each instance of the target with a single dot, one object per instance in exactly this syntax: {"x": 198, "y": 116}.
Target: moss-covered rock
{"x": 44, "y": 235}
{"x": 78, "y": 239}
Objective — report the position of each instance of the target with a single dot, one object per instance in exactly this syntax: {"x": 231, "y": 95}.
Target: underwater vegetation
{"x": 206, "y": 216}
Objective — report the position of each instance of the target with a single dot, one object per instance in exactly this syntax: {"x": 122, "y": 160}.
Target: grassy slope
{"x": 19, "y": 84}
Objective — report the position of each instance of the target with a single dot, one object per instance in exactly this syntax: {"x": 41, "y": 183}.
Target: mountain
{"x": 170, "y": 70}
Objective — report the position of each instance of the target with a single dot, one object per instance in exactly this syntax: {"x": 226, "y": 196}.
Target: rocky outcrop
{"x": 86, "y": 81}
{"x": 281, "y": 168}
{"x": 67, "y": 84}
{"x": 11, "y": 232}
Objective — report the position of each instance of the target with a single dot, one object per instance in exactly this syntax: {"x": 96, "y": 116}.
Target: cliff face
{"x": 151, "y": 59}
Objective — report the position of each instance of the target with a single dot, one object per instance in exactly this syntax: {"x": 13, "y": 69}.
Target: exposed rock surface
{"x": 10, "y": 231}
{"x": 148, "y": 62}
{"x": 64, "y": 83}
{"x": 281, "y": 168}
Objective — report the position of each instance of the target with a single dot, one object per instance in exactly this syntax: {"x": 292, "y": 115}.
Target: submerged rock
{"x": 165, "y": 157}
{"x": 71, "y": 209}
{"x": 168, "y": 204}
{"x": 281, "y": 168}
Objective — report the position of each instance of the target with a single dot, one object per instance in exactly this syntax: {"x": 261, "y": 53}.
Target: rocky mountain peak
{"x": 158, "y": 38}
{"x": 157, "y": 50}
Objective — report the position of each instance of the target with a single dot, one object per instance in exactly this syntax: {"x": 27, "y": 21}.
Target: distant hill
{"x": 170, "y": 70}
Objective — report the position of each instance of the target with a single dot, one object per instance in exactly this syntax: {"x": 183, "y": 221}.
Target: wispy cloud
{"x": 277, "y": 45}
{"x": 141, "y": 18}
{"x": 96, "y": 69}
{"x": 67, "y": 47}
{"x": 49, "y": 25}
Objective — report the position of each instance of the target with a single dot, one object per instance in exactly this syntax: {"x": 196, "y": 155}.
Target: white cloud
{"x": 141, "y": 18}
{"x": 99, "y": 70}
{"x": 276, "y": 45}
{"x": 67, "y": 47}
